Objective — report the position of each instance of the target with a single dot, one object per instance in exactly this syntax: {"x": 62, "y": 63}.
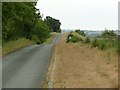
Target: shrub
{"x": 77, "y": 31}
{"x": 41, "y": 32}
{"x": 94, "y": 43}
{"x": 118, "y": 48}
{"x": 87, "y": 40}
{"x": 108, "y": 34}
{"x": 80, "y": 32}
{"x": 105, "y": 43}
{"x": 101, "y": 45}
{"x": 75, "y": 39}
{"x": 69, "y": 37}
{"x": 35, "y": 38}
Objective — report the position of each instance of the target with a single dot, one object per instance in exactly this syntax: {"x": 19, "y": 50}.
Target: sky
{"x": 82, "y": 14}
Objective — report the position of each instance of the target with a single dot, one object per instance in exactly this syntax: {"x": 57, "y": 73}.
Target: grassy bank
{"x": 11, "y": 46}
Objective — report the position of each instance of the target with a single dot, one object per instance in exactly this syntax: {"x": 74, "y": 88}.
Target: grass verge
{"x": 52, "y": 36}
{"x": 11, "y": 46}
{"x": 80, "y": 66}
{"x": 14, "y": 45}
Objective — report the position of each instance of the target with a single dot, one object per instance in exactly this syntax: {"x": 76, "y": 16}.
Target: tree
{"x": 108, "y": 34}
{"x": 17, "y": 20}
{"x": 41, "y": 31}
{"x": 54, "y": 24}
{"x": 23, "y": 20}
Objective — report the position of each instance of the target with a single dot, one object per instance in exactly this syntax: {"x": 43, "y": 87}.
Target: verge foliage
{"x": 75, "y": 37}
{"x": 80, "y": 32}
{"x": 107, "y": 40}
{"x": 108, "y": 34}
{"x": 23, "y": 20}
{"x": 54, "y": 24}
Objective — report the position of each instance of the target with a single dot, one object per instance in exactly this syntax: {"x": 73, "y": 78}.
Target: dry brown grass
{"x": 80, "y": 66}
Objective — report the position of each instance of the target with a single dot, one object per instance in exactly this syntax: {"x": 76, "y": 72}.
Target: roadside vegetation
{"x": 24, "y": 20}
{"x": 107, "y": 40}
{"x": 52, "y": 36}
{"x": 85, "y": 62}
{"x": 79, "y": 65}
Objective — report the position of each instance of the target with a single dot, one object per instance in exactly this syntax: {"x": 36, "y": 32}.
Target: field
{"x": 77, "y": 65}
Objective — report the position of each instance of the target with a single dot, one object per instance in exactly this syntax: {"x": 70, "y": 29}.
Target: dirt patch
{"x": 80, "y": 66}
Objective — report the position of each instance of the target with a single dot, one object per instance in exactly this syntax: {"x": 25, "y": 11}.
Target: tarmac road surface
{"x": 27, "y": 67}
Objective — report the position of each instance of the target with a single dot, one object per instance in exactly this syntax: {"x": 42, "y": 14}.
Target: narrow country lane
{"x": 27, "y": 67}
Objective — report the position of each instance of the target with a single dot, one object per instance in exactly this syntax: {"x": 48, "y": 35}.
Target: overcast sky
{"x": 82, "y": 14}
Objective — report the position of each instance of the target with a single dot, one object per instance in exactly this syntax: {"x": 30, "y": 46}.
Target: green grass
{"x": 11, "y": 46}
{"x": 49, "y": 40}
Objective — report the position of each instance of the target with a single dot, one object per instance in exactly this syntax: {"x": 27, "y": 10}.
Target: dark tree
{"x": 54, "y": 24}
{"x": 23, "y": 20}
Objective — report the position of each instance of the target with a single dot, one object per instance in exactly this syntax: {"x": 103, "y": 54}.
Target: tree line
{"x": 24, "y": 20}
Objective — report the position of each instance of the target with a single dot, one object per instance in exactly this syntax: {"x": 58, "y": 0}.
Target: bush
{"x": 75, "y": 37}
{"x": 80, "y": 32}
{"x": 94, "y": 43}
{"x": 101, "y": 45}
{"x": 108, "y": 34}
{"x": 87, "y": 40}
{"x": 35, "y": 38}
{"x": 41, "y": 32}
{"x": 118, "y": 48}
{"x": 69, "y": 37}
{"x": 77, "y": 31}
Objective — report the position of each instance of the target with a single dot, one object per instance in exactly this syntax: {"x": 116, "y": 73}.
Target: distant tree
{"x": 54, "y": 24}
{"x": 108, "y": 34}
